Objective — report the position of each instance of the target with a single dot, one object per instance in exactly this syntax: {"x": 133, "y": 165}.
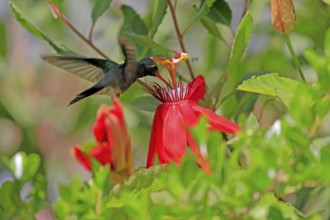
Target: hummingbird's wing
{"x": 130, "y": 65}
{"x": 90, "y": 69}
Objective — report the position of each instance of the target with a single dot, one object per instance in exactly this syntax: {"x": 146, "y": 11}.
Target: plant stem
{"x": 245, "y": 8}
{"x": 90, "y": 35}
{"x": 180, "y": 36}
{"x": 293, "y": 55}
{"x": 68, "y": 23}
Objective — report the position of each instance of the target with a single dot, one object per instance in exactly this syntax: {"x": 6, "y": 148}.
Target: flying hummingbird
{"x": 110, "y": 78}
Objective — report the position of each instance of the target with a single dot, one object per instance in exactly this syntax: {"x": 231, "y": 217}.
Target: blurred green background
{"x": 34, "y": 95}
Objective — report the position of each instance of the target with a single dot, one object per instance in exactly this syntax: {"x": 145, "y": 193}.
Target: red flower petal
{"x": 156, "y": 136}
{"x": 218, "y": 122}
{"x": 117, "y": 110}
{"x": 101, "y": 154}
{"x": 200, "y": 159}
{"x": 99, "y": 128}
{"x": 174, "y": 136}
{"x": 197, "y": 88}
{"x": 190, "y": 116}
{"x": 82, "y": 157}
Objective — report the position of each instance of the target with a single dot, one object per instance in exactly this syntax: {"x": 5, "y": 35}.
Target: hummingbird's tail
{"x": 86, "y": 93}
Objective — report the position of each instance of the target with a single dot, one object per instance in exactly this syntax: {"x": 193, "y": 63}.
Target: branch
{"x": 180, "y": 36}
{"x": 68, "y": 23}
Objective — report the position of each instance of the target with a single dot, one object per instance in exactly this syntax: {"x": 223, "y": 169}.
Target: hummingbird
{"x": 110, "y": 78}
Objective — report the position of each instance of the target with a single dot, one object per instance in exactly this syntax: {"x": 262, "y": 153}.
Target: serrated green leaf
{"x": 132, "y": 22}
{"x": 158, "y": 18}
{"x": 146, "y": 179}
{"x": 100, "y": 6}
{"x": 33, "y": 29}
{"x": 220, "y": 12}
{"x": 241, "y": 41}
{"x": 272, "y": 84}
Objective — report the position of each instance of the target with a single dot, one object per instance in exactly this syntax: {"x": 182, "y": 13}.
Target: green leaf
{"x": 188, "y": 171}
{"x": 200, "y": 13}
{"x": 132, "y": 22}
{"x": 327, "y": 1}
{"x": 33, "y": 29}
{"x": 272, "y": 84}
{"x": 31, "y": 166}
{"x": 100, "y": 6}
{"x": 6, "y": 191}
{"x": 101, "y": 177}
{"x": 3, "y": 42}
{"x": 241, "y": 41}
{"x": 88, "y": 145}
{"x": 252, "y": 122}
{"x": 320, "y": 65}
{"x": 146, "y": 179}
{"x": 149, "y": 43}
{"x": 146, "y": 103}
{"x": 158, "y": 18}
{"x": 211, "y": 27}
{"x": 327, "y": 44}
{"x": 70, "y": 192}
{"x": 220, "y": 12}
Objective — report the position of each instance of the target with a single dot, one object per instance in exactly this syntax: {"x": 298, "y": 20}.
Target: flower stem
{"x": 293, "y": 55}
{"x": 90, "y": 35}
{"x": 180, "y": 36}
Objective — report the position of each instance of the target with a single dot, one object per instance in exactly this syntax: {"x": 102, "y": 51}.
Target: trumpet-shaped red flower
{"x": 178, "y": 112}
{"x": 113, "y": 142}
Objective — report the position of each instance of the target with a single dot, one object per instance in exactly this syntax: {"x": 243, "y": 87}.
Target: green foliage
{"x": 274, "y": 85}
{"x": 25, "y": 194}
{"x": 241, "y": 41}
{"x": 220, "y": 12}
{"x": 158, "y": 18}
{"x": 27, "y": 24}
{"x": 133, "y": 24}
{"x": 100, "y": 6}
{"x": 275, "y": 168}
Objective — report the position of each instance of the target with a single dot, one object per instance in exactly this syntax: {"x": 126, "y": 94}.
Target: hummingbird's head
{"x": 147, "y": 67}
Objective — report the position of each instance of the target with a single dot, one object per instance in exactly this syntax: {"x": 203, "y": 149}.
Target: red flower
{"x": 179, "y": 112}
{"x": 113, "y": 143}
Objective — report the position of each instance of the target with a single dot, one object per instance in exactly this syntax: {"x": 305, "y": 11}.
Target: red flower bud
{"x": 283, "y": 15}
{"x": 113, "y": 147}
